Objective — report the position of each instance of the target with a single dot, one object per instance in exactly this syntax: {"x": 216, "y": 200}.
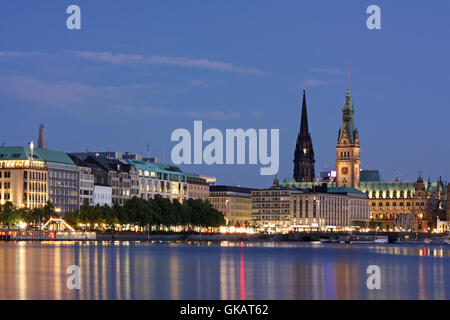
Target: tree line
{"x": 156, "y": 213}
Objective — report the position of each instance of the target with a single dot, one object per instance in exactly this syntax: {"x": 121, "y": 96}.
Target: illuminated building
{"x": 404, "y": 206}
{"x": 156, "y": 178}
{"x": 235, "y": 203}
{"x": 118, "y": 174}
{"x": 86, "y": 185}
{"x": 198, "y": 187}
{"x": 282, "y": 208}
{"x": 32, "y": 176}
{"x": 209, "y": 180}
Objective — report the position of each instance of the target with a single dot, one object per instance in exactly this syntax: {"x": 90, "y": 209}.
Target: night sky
{"x": 137, "y": 70}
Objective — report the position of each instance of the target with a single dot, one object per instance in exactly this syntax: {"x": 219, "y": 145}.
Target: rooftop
{"x": 24, "y": 153}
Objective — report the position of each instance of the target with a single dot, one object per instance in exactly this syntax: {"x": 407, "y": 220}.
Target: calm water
{"x": 126, "y": 270}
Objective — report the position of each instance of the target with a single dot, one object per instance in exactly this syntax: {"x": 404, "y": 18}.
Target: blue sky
{"x": 140, "y": 69}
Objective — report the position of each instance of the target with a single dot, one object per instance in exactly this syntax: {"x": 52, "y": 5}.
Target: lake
{"x": 223, "y": 270}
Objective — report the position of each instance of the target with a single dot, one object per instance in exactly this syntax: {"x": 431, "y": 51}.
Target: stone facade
{"x": 321, "y": 208}
{"x": 405, "y": 206}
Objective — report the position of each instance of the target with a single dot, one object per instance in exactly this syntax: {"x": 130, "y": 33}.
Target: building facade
{"x": 156, "y": 178}
{"x": 304, "y": 152}
{"x": 404, "y": 206}
{"x": 102, "y": 196}
{"x": 32, "y": 176}
{"x": 235, "y": 203}
{"x": 86, "y": 185}
{"x": 117, "y": 174}
{"x": 198, "y": 187}
{"x": 283, "y": 208}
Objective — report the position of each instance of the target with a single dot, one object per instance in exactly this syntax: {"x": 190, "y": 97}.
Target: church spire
{"x": 304, "y": 119}
{"x": 304, "y": 151}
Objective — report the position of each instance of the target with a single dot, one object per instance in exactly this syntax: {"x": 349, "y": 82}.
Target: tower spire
{"x": 304, "y": 119}
{"x": 304, "y": 151}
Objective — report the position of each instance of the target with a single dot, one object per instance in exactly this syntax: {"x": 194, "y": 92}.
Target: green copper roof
{"x": 24, "y": 153}
{"x": 344, "y": 190}
{"x": 347, "y": 118}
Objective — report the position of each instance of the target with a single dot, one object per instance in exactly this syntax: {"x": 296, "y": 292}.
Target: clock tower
{"x": 348, "y": 161}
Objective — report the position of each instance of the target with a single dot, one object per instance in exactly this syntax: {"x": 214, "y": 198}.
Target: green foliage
{"x": 157, "y": 212}
{"x": 8, "y": 214}
{"x": 361, "y": 224}
{"x": 374, "y": 224}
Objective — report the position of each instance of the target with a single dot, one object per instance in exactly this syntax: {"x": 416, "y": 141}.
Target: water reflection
{"x": 226, "y": 270}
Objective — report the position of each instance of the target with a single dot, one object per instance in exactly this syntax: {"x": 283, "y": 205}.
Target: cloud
{"x": 213, "y": 114}
{"x": 19, "y": 54}
{"x": 328, "y": 71}
{"x": 62, "y": 95}
{"x": 308, "y": 83}
{"x": 198, "y": 83}
{"x": 79, "y": 98}
{"x": 121, "y": 58}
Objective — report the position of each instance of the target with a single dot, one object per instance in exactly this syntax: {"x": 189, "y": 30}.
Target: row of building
{"x": 29, "y": 177}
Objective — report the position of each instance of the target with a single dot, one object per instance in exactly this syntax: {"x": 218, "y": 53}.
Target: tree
{"x": 374, "y": 224}
{"x": 360, "y": 224}
{"x": 48, "y": 211}
{"x": 8, "y": 214}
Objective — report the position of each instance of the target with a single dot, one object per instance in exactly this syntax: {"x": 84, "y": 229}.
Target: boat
{"x": 325, "y": 240}
{"x": 368, "y": 239}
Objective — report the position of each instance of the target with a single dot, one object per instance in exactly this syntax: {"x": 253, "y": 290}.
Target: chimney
{"x": 41, "y": 137}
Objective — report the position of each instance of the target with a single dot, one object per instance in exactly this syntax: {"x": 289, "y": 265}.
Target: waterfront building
{"x": 404, "y": 206}
{"x": 121, "y": 176}
{"x": 348, "y": 161}
{"x": 198, "y": 187}
{"x": 282, "y": 208}
{"x": 304, "y": 151}
{"x": 102, "y": 195}
{"x": 86, "y": 185}
{"x": 235, "y": 203}
{"x": 156, "y": 178}
{"x": 32, "y": 176}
